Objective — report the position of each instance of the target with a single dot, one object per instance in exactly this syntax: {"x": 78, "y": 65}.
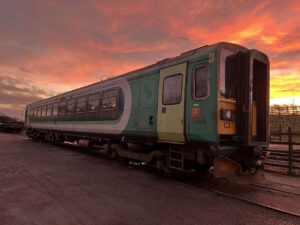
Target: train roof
{"x": 183, "y": 57}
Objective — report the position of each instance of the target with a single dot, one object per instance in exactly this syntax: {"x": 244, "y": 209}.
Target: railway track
{"x": 277, "y": 190}
{"x": 260, "y": 204}
{"x": 259, "y": 194}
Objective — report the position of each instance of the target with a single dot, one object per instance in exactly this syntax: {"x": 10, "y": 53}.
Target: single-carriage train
{"x": 182, "y": 113}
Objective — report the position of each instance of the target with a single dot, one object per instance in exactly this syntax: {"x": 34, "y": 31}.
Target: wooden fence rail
{"x": 277, "y": 110}
{"x": 291, "y": 155}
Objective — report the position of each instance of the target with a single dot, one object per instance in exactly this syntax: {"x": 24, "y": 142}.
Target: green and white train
{"x": 180, "y": 113}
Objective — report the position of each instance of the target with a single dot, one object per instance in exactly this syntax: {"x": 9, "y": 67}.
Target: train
{"x": 205, "y": 108}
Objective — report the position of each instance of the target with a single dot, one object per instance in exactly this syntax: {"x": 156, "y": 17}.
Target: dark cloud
{"x": 18, "y": 93}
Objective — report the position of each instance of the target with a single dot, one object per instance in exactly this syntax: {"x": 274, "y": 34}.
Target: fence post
{"x": 290, "y": 137}
{"x": 280, "y": 140}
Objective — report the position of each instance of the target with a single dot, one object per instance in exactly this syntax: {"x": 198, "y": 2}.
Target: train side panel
{"x": 143, "y": 118}
{"x": 201, "y": 100}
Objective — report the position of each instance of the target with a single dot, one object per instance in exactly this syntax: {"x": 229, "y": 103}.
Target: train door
{"x": 170, "y": 115}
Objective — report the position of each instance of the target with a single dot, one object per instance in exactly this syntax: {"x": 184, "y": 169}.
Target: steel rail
{"x": 256, "y": 203}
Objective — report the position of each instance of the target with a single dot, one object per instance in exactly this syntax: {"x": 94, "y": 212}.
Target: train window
{"x": 49, "y": 110}
{"x": 224, "y": 53}
{"x": 110, "y": 93}
{"x": 31, "y": 112}
{"x": 35, "y": 112}
{"x": 39, "y": 111}
{"x": 93, "y": 102}
{"x": 71, "y": 105}
{"x": 44, "y": 110}
{"x": 201, "y": 82}
{"x": 62, "y": 108}
{"x": 81, "y": 104}
{"x": 172, "y": 89}
{"x": 109, "y": 100}
{"x": 109, "y": 103}
{"x": 55, "y": 109}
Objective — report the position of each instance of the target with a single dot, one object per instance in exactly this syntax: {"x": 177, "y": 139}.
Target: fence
{"x": 286, "y": 158}
{"x": 286, "y": 110}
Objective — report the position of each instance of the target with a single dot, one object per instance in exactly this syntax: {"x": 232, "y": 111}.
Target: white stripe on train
{"x": 116, "y": 128}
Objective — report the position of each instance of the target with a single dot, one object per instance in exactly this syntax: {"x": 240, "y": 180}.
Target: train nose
{"x": 249, "y": 73}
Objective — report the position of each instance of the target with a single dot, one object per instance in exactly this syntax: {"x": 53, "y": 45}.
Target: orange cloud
{"x": 58, "y": 46}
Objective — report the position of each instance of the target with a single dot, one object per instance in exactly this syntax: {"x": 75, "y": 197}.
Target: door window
{"x": 172, "y": 89}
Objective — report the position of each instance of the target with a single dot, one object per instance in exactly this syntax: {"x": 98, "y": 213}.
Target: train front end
{"x": 243, "y": 110}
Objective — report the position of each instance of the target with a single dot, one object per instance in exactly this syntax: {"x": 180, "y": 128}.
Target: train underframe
{"x": 228, "y": 162}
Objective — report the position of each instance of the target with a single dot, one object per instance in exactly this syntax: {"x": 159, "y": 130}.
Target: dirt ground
{"x": 48, "y": 184}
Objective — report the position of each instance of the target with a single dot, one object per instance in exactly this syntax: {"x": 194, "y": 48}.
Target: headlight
{"x": 227, "y": 114}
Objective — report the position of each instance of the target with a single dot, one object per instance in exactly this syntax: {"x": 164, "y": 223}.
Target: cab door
{"x": 170, "y": 115}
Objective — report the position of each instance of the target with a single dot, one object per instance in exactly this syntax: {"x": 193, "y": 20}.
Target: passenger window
{"x": 93, "y": 102}
{"x": 55, "y": 109}
{"x": 39, "y": 111}
{"x": 172, "y": 89}
{"x": 109, "y": 100}
{"x": 201, "y": 82}
{"x": 35, "y": 112}
{"x": 44, "y": 110}
{"x": 71, "y": 105}
{"x": 62, "y": 108}
{"x": 81, "y": 104}
{"x": 49, "y": 110}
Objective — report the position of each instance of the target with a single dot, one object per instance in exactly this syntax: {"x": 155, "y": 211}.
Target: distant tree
{"x": 6, "y": 119}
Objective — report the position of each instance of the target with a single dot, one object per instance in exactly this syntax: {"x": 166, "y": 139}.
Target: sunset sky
{"x": 49, "y": 47}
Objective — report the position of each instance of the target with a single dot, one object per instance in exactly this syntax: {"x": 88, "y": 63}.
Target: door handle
{"x": 163, "y": 110}
{"x": 150, "y": 120}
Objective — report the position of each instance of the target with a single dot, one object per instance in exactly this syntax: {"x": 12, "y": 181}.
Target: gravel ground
{"x": 47, "y": 184}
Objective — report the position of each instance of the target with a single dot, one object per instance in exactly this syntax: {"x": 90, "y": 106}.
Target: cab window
{"x": 224, "y": 53}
